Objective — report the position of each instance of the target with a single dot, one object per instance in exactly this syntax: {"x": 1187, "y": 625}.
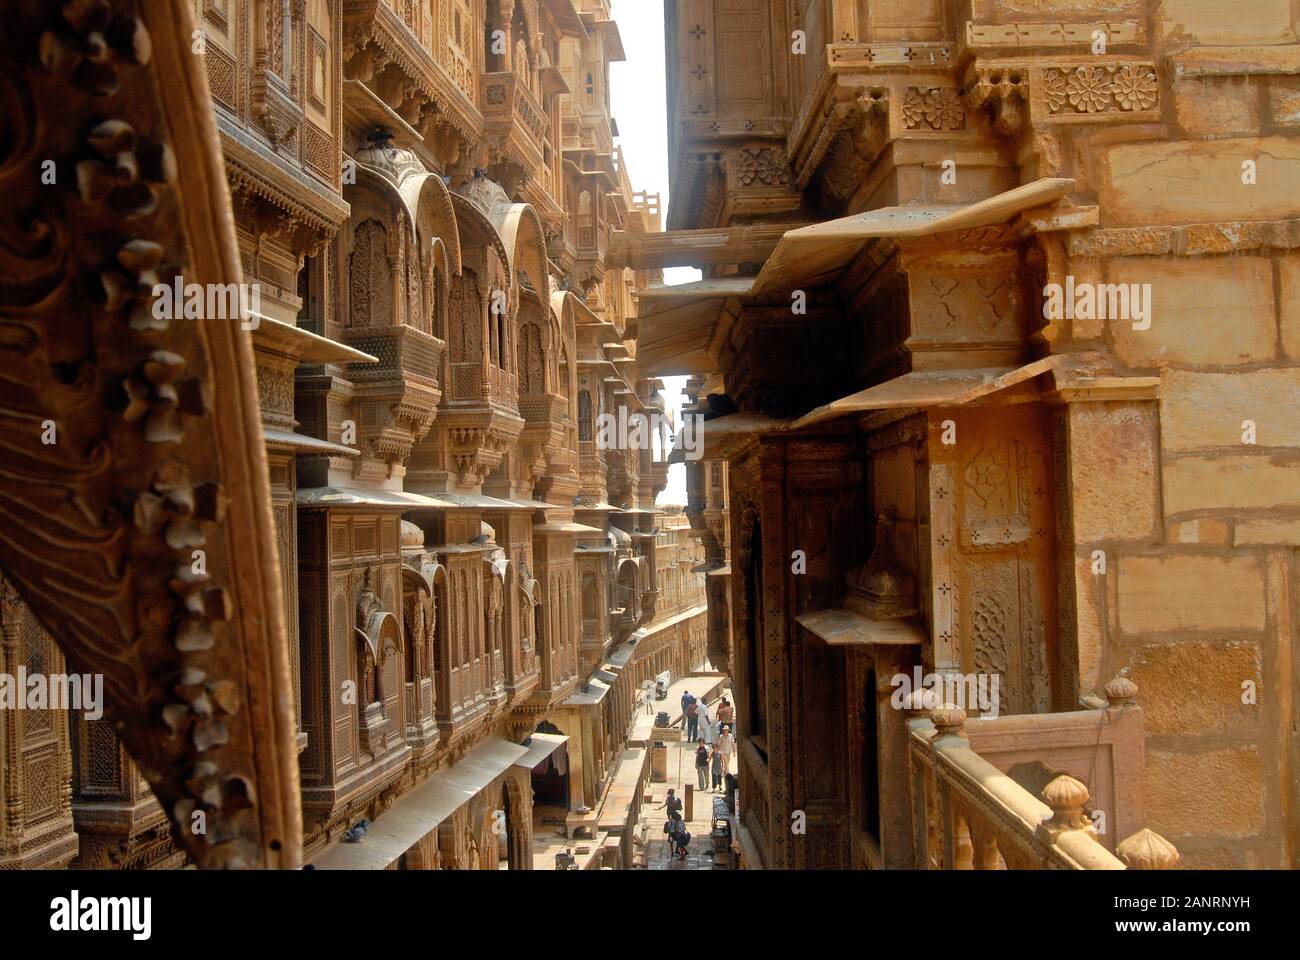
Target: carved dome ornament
{"x": 1121, "y": 692}
{"x": 380, "y": 156}
{"x": 1147, "y": 850}
{"x": 1067, "y": 797}
{"x": 412, "y": 537}
{"x": 948, "y": 721}
{"x": 487, "y": 195}
{"x": 881, "y": 589}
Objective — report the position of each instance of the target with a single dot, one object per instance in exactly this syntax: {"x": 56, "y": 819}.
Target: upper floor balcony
{"x": 546, "y": 417}
{"x": 587, "y": 133}
{"x": 515, "y": 124}
{"x": 591, "y": 470}
{"x": 420, "y": 70}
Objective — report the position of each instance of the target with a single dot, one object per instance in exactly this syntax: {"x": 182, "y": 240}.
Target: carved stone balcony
{"x": 623, "y": 474}
{"x": 591, "y": 472}
{"x": 587, "y": 134}
{"x": 545, "y": 418}
{"x": 273, "y": 106}
{"x": 399, "y": 395}
{"x": 419, "y": 73}
{"x": 514, "y": 123}
{"x": 559, "y": 482}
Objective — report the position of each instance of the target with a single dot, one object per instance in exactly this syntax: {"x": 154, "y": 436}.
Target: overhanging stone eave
{"x": 567, "y": 18}
{"x": 305, "y": 346}
{"x": 929, "y": 390}
{"x": 363, "y": 107}
{"x": 840, "y": 626}
{"x": 820, "y": 252}
{"x": 703, "y": 247}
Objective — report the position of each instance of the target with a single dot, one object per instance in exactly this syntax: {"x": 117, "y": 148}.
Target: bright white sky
{"x": 638, "y": 98}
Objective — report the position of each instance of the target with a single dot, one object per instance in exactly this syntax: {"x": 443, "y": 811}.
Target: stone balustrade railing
{"x": 968, "y": 814}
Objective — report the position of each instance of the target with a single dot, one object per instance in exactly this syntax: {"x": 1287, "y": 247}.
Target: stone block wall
{"x": 1191, "y": 490}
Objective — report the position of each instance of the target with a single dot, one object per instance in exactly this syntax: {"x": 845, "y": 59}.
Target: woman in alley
{"x": 702, "y": 763}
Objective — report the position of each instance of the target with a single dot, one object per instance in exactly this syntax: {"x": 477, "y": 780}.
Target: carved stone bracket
{"x": 855, "y": 130}
{"x": 1004, "y": 93}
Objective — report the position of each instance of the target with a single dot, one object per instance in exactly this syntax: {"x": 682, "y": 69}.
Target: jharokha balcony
{"x": 545, "y": 416}
{"x": 514, "y": 121}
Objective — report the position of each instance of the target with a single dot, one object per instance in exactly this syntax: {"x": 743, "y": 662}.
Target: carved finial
{"x": 1121, "y": 692}
{"x": 1067, "y": 797}
{"x": 948, "y": 721}
{"x": 1147, "y": 850}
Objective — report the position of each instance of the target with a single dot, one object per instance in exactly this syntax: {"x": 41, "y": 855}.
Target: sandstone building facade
{"x": 470, "y": 585}
{"x": 996, "y": 351}
{"x": 997, "y": 339}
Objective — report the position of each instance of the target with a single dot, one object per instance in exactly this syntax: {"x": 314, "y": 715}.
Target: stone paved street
{"x": 681, "y": 772}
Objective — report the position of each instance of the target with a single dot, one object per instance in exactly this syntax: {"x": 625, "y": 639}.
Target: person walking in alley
{"x": 688, "y": 714}
{"x": 673, "y": 803}
{"x": 702, "y": 764}
{"x": 716, "y": 768}
{"x": 727, "y": 747}
{"x": 704, "y": 723}
{"x": 726, "y": 714}
{"x": 678, "y": 836}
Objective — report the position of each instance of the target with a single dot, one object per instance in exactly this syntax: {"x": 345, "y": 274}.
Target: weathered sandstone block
{"x": 1217, "y": 106}
{"x": 1190, "y": 592}
{"x": 1213, "y": 21}
{"x": 1220, "y": 792}
{"x": 1200, "y": 180}
{"x": 1194, "y": 686}
{"x": 1289, "y": 304}
{"x": 1204, "y": 530}
{"x": 1199, "y": 411}
{"x": 1267, "y": 532}
{"x": 1089, "y": 625}
{"x": 1213, "y": 311}
{"x": 1259, "y": 482}
{"x": 1284, "y": 100}
{"x": 1113, "y": 471}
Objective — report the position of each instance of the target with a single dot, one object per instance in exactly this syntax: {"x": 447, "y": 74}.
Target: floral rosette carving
{"x": 765, "y": 166}
{"x": 1135, "y": 87}
{"x": 1093, "y": 89}
{"x": 1088, "y": 89}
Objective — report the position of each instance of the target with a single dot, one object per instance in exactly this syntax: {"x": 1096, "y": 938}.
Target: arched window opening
{"x": 584, "y": 415}
{"x": 533, "y": 372}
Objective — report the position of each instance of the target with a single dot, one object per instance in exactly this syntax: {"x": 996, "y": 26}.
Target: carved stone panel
{"x": 999, "y": 560}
